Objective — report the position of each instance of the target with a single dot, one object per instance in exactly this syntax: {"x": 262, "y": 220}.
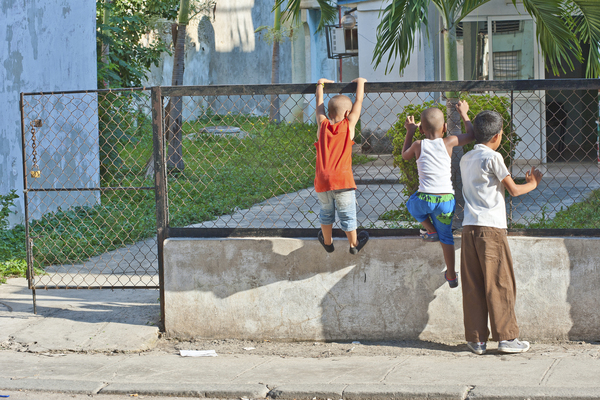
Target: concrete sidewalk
{"x": 104, "y": 343}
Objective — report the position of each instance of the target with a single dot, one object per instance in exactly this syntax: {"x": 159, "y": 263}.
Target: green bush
{"x": 397, "y": 133}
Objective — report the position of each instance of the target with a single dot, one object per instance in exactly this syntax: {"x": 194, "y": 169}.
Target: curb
{"x": 207, "y": 390}
{"x": 321, "y": 391}
{"x": 308, "y": 391}
{"x": 383, "y": 392}
{"x": 534, "y": 393}
{"x": 51, "y": 385}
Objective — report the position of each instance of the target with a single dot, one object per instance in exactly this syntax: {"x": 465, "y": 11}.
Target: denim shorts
{"x": 438, "y": 208}
{"x": 345, "y": 202}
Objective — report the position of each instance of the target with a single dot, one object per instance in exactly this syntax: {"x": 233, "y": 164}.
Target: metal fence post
{"x": 161, "y": 190}
{"x": 28, "y": 241}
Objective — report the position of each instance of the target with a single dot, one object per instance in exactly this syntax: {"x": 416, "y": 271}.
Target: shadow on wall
{"x": 394, "y": 292}
{"x": 291, "y": 289}
{"x": 583, "y": 293}
{"x": 558, "y": 287}
{"x": 234, "y": 26}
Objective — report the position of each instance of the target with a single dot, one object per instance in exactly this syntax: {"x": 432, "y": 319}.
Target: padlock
{"x": 36, "y": 174}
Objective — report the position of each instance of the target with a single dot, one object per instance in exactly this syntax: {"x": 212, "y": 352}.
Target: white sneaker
{"x": 477, "y": 347}
{"x": 513, "y": 346}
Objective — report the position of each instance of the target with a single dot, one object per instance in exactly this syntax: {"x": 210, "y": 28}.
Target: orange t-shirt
{"x": 334, "y": 157}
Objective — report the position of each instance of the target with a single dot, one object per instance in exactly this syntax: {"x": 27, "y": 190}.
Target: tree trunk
{"x": 174, "y": 108}
{"x": 106, "y": 46}
{"x": 174, "y": 115}
{"x": 274, "y": 109}
{"x": 453, "y": 120}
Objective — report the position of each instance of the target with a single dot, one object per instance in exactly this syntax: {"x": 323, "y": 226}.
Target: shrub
{"x": 397, "y": 133}
{"x": 6, "y": 202}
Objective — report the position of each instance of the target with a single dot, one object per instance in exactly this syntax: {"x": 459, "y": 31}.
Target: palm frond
{"x": 587, "y": 28}
{"x": 557, "y": 42}
{"x": 291, "y": 10}
{"x": 400, "y": 23}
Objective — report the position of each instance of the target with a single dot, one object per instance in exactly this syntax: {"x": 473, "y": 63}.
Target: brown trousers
{"x": 488, "y": 284}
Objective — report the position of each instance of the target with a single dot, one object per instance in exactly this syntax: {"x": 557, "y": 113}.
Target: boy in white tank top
{"x": 433, "y": 204}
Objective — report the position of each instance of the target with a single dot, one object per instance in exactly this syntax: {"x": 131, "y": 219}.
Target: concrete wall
{"x": 46, "y": 46}
{"x": 290, "y": 289}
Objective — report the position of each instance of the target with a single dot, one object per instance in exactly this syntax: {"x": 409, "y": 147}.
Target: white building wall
{"x": 222, "y": 48}
{"x": 47, "y": 46}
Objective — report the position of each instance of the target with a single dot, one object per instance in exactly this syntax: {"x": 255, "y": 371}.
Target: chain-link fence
{"x": 90, "y": 209}
{"x": 109, "y": 172}
{"x": 241, "y": 161}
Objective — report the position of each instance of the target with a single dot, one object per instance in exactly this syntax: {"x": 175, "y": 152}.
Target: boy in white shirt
{"x": 433, "y": 204}
{"x": 488, "y": 279}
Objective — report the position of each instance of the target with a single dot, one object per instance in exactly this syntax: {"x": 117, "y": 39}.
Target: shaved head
{"x": 432, "y": 120}
{"x": 338, "y": 105}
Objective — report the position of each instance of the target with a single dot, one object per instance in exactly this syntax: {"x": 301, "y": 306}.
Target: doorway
{"x": 571, "y": 129}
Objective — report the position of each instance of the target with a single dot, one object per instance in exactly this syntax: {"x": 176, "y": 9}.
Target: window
{"x": 507, "y": 65}
{"x": 500, "y": 50}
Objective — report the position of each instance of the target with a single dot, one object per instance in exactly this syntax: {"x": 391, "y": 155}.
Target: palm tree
{"x": 277, "y": 35}
{"x": 274, "y": 109}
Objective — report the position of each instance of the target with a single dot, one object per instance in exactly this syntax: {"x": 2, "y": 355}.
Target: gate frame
{"x": 29, "y": 240}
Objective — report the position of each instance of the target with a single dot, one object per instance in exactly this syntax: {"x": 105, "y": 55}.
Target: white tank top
{"x": 434, "y": 167}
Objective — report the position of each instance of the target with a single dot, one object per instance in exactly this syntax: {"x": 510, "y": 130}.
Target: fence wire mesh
{"x": 247, "y": 160}
{"x": 90, "y": 207}
{"x": 242, "y": 159}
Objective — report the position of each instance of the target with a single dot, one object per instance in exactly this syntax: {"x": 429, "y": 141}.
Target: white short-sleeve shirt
{"x": 482, "y": 171}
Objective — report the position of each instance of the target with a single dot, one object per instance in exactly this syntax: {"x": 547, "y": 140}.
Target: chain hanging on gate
{"x": 35, "y": 170}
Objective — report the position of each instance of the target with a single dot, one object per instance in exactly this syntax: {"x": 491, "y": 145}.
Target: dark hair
{"x": 486, "y": 125}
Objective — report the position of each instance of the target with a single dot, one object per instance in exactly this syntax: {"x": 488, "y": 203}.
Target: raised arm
{"x": 321, "y": 116}
{"x": 532, "y": 178}
{"x": 410, "y": 149}
{"x": 354, "y": 114}
{"x": 462, "y": 107}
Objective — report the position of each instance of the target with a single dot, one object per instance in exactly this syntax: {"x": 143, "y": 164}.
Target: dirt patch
{"x": 367, "y": 348}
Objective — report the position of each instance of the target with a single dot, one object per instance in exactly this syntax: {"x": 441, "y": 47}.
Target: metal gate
{"x": 89, "y": 206}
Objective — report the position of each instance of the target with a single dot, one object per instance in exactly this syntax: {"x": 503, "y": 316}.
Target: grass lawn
{"x": 582, "y": 215}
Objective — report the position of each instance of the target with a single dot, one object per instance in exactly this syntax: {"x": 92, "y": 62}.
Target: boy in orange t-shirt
{"x": 334, "y": 181}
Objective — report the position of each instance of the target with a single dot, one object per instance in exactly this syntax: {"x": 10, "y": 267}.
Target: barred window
{"x": 507, "y": 65}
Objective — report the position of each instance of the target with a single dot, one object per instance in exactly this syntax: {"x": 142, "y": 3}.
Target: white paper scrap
{"x": 249, "y": 348}
{"x": 197, "y": 353}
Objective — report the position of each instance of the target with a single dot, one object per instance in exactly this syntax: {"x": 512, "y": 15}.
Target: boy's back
{"x": 334, "y": 157}
{"x": 482, "y": 171}
{"x": 334, "y": 181}
{"x": 489, "y": 288}
{"x": 434, "y": 167}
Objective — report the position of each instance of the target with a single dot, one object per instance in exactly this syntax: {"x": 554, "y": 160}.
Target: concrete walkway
{"x": 301, "y": 209}
{"x": 563, "y": 184}
{"x": 102, "y": 343}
